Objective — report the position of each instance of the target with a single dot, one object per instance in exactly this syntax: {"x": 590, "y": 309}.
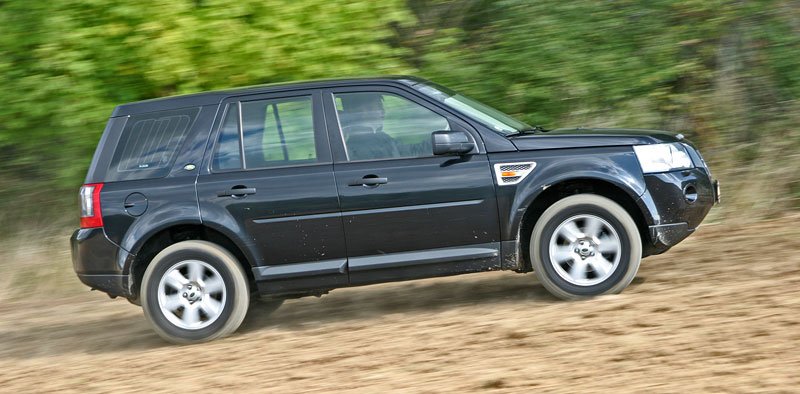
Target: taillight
{"x": 91, "y": 216}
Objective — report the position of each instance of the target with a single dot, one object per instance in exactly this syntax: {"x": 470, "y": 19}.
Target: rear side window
{"x": 277, "y": 132}
{"x": 149, "y": 144}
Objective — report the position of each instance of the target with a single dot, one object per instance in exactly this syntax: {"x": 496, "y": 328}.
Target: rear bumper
{"x": 113, "y": 285}
{"x": 94, "y": 261}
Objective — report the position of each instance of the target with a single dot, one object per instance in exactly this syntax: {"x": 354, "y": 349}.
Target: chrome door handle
{"x": 369, "y": 181}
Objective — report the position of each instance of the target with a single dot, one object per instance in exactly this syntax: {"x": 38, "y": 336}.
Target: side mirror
{"x": 450, "y": 142}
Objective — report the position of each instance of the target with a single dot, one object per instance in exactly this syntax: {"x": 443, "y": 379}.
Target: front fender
{"x": 617, "y": 166}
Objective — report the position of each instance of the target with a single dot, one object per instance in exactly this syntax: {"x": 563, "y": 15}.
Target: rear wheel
{"x": 194, "y": 291}
{"x": 585, "y": 245}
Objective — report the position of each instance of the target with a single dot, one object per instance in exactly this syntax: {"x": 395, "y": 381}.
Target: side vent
{"x": 512, "y": 173}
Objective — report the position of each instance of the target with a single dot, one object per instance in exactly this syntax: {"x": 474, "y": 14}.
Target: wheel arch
{"x": 536, "y": 206}
{"x": 159, "y": 239}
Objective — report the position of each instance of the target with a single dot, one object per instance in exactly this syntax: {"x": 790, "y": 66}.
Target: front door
{"x": 270, "y": 180}
{"x": 407, "y": 213}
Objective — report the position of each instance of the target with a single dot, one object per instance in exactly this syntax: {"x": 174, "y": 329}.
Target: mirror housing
{"x": 451, "y": 142}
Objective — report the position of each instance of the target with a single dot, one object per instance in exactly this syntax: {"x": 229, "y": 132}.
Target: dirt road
{"x": 719, "y": 313}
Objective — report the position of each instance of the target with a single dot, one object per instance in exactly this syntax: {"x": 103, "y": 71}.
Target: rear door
{"x": 269, "y": 179}
{"x": 407, "y": 213}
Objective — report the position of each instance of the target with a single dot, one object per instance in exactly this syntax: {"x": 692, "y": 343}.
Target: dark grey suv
{"x": 195, "y": 205}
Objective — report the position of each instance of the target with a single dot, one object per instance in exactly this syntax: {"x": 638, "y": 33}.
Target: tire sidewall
{"x": 616, "y": 216}
{"x": 191, "y": 250}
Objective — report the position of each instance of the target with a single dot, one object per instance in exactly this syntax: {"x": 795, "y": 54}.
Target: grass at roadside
{"x": 36, "y": 263}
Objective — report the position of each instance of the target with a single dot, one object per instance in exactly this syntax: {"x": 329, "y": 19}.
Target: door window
{"x": 377, "y": 126}
{"x": 229, "y": 153}
{"x": 276, "y": 132}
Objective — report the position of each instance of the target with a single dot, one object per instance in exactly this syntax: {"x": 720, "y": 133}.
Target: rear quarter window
{"x": 149, "y": 144}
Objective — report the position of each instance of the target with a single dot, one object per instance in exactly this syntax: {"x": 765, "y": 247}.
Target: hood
{"x": 584, "y": 138}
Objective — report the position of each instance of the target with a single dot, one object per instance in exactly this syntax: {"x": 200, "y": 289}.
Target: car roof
{"x": 214, "y": 97}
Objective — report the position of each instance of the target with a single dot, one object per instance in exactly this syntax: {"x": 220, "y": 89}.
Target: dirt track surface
{"x": 719, "y": 313}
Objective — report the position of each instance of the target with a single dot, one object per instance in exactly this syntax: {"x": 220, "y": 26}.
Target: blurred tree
{"x": 724, "y": 72}
{"x": 66, "y": 63}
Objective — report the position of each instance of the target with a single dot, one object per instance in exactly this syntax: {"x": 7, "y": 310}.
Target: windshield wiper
{"x": 532, "y": 130}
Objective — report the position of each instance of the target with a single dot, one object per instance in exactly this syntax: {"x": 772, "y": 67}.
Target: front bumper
{"x": 665, "y": 236}
{"x": 677, "y": 202}
{"x": 94, "y": 261}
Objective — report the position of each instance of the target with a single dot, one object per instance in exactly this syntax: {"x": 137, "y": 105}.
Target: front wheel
{"x": 194, "y": 291}
{"x": 585, "y": 245}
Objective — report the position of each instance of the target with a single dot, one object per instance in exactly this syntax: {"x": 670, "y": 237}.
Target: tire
{"x": 194, "y": 291}
{"x": 607, "y": 260}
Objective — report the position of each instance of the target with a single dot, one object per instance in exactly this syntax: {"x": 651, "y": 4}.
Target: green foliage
{"x": 724, "y": 72}
{"x": 66, "y": 64}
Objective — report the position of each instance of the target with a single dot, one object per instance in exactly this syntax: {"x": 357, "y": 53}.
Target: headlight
{"x": 662, "y": 157}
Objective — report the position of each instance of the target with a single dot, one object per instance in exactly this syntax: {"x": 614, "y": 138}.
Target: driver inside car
{"x": 362, "y": 127}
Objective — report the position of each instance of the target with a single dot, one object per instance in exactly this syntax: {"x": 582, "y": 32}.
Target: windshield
{"x": 483, "y": 113}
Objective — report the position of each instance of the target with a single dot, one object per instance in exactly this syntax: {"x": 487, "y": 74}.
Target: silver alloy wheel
{"x": 191, "y": 294}
{"x": 585, "y": 250}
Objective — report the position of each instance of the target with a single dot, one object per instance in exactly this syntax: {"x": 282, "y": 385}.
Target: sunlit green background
{"x": 724, "y": 73}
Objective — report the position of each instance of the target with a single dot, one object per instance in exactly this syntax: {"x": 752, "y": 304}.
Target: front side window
{"x": 273, "y": 133}
{"x": 376, "y": 125}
